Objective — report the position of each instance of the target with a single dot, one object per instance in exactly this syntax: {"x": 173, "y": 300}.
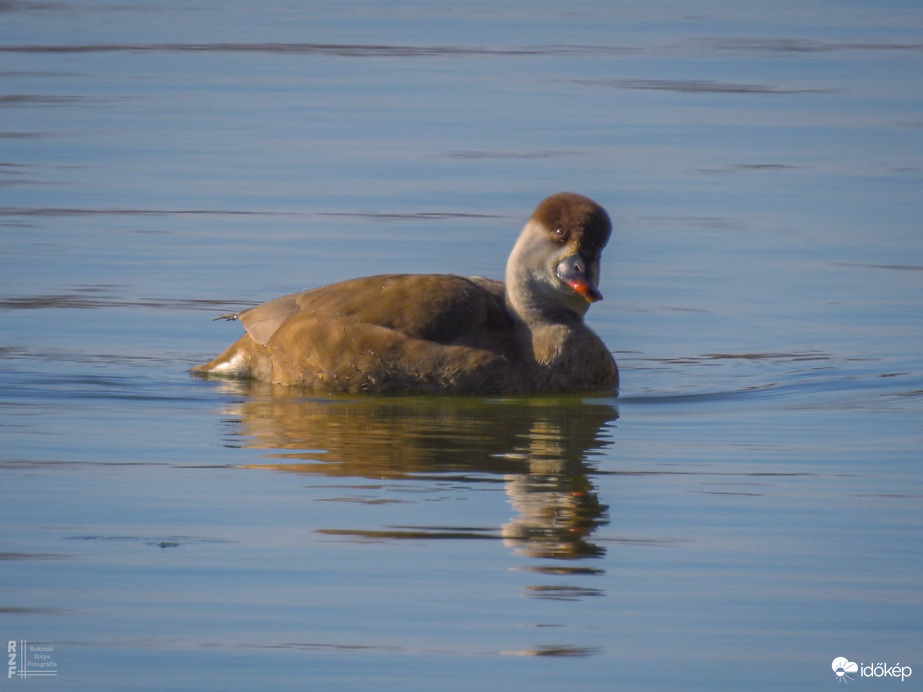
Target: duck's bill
{"x": 590, "y": 293}
{"x": 573, "y": 272}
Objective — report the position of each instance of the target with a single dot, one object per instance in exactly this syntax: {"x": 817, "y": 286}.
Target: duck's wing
{"x": 443, "y": 308}
{"x": 262, "y": 321}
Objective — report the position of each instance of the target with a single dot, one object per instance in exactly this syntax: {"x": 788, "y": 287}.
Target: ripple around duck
{"x": 793, "y": 379}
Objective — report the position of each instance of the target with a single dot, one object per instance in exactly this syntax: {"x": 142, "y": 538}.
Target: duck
{"x": 444, "y": 333}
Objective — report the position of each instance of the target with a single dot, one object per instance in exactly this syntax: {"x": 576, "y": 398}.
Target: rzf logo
{"x": 27, "y": 660}
{"x": 11, "y": 650}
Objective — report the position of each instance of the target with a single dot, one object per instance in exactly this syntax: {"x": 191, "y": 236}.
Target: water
{"x": 747, "y": 510}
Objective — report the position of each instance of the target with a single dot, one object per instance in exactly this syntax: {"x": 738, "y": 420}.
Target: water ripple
{"x": 797, "y": 45}
{"x": 699, "y": 86}
{"x": 337, "y": 49}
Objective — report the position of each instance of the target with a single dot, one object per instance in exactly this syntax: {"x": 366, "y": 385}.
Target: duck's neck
{"x": 543, "y": 327}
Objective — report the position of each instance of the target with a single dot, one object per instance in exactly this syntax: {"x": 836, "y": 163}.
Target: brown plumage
{"x": 445, "y": 333}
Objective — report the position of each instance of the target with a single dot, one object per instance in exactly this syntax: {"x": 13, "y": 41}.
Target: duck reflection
{"x": 541, "y": 448}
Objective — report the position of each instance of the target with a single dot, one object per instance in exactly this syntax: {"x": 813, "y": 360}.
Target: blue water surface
{"x": 746, "y": 510}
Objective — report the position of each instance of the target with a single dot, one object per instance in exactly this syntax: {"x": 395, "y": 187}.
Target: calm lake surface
{"x": 748, "y": 509}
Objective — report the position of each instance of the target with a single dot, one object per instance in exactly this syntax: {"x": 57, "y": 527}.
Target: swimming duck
{"x": 441, "y": 332}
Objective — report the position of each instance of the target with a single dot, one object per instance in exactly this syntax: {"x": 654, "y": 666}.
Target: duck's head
{"x": 554, "y": 266}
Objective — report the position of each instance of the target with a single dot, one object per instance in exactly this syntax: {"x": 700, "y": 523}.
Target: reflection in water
{"x": 556, "y": 512}
{"x": 539, "y": 447}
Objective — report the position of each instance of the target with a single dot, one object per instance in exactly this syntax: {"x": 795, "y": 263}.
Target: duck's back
{"x": 442, "y": 308}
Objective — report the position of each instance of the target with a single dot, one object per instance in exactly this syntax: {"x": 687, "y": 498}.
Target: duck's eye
{"x": 558, "y": 233}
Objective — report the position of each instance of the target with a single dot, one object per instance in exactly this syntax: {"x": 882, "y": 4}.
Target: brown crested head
{"x": 553, "y": 270}
{"x": 575, "y": 221}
